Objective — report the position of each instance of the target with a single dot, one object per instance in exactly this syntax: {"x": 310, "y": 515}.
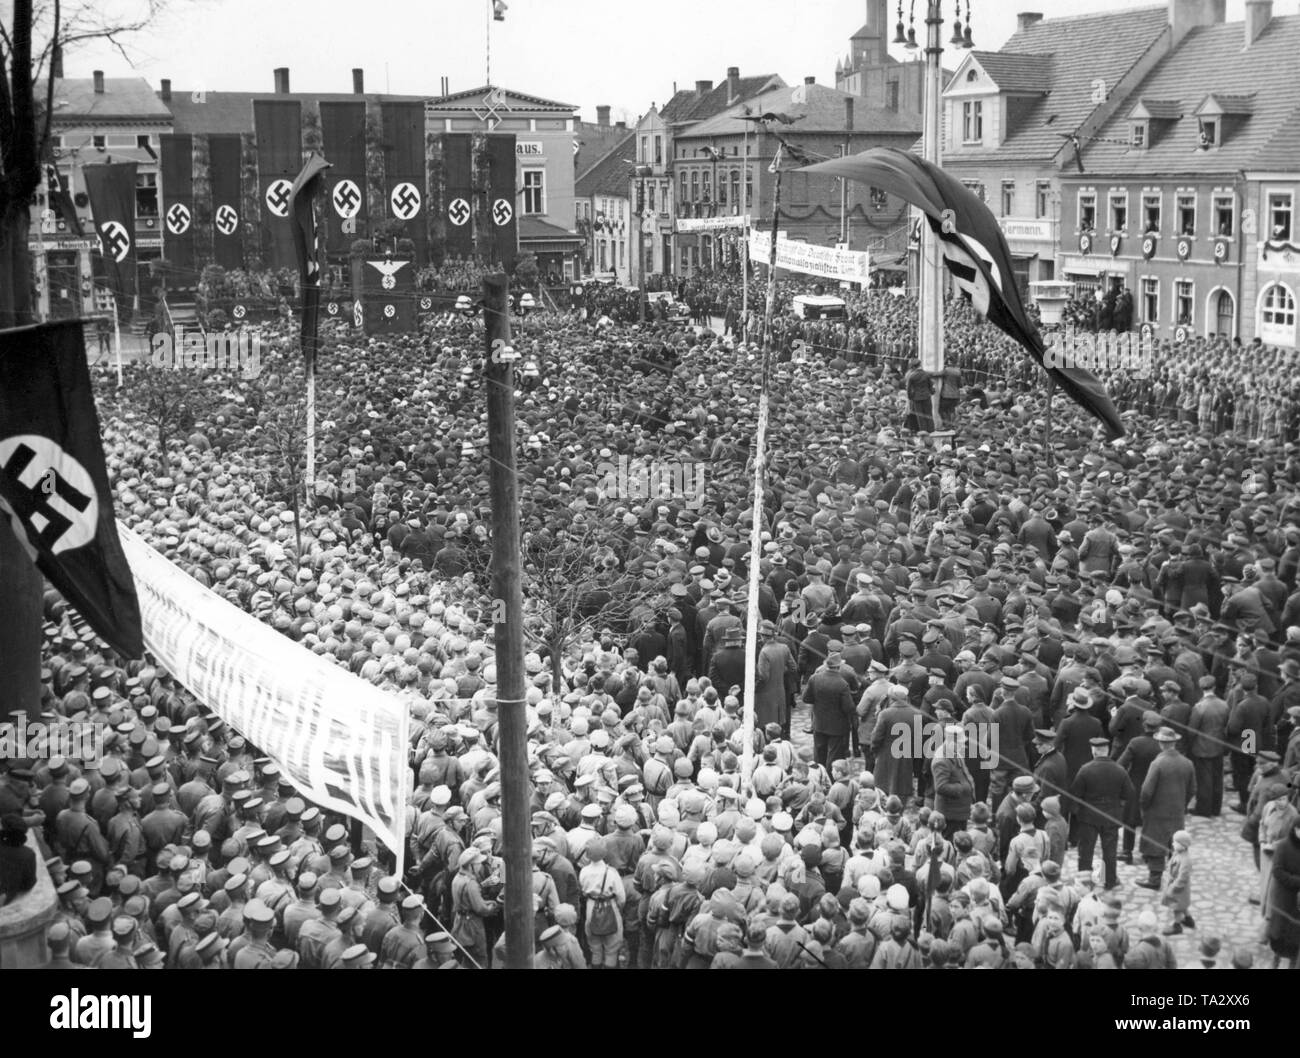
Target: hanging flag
{"x": 53, "y": 485}
{"x": 177, "y": 176}
{"x": 111, "y": 187}
{"x": 225, "y": 157}
{"x": 56, "y": 192}
{"x": 975, "y": 254}
{"x": 277, "y": 124}
{"x": 306, "y": 244}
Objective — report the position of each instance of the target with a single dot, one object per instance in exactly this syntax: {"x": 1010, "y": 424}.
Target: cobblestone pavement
{"x": 1223, "y": 880}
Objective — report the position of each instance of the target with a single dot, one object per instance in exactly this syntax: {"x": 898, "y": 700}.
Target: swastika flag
{"x": 53, "y": 485}
{"x": 111, "y": 187}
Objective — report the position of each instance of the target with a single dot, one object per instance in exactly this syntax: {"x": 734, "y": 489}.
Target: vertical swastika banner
{"x": 337, "y": 738}
{"x": 278, "y": 124}
{"x": 111, "y": 189}
{"x": 404, "y": 164}
{"x": 54, "y": 490}
{"x": 225, "y": 160}
{"x": 459, "y": 194}
{"x": 343, "y": 130}
{"x": 502, "y": 205}
{"x": 176, "y": 160}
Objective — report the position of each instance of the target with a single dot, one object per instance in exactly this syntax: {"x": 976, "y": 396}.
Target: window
{"x": 534, "y": 191}
{"x": 695, "y": 185}
{"x": 659, "y": 150}
{"x": 1223, "y": 215}
{"x": 879, "y": 198}
{"x": 1042, "y": 197}
{"x": 1279, "y": 215}
{"x": 681, "y": 194}
{"x": 1150, "y": 299}
{"x": 1277, "y": 311}
{"x": 1118, "y": 211}
{"x": 645, "y": 150}
{"x": 1209, "y": 134}
{"x": 735, "y": 188}
{"x": 1186, "y": 205}
{"x": 972, "y": 75}
{"x": 706, "y": 182}
{"x": 142, "y": 142}
{"x": 749, "y": 188}
{"x": 891, "y": 95}
{"x": 622, "y": 250}
{"x": 146, "y": 194}
{"x": 650, "y": 196}
{"x": 1151, "y": 214}
{"x": 1088, "y": 211}
{"x": 1138, "y": 137}
{"x": 975, "y": 188}
{"x": 972, "y": 121}
{"x": 722, "y": 190}
{"x": 1183, "y": 301}
{"x": 97, "y": 142}
{"x": 1008, "y": 198}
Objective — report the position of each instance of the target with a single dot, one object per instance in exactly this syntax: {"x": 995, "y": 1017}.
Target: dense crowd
{"x": 976, "y": 666}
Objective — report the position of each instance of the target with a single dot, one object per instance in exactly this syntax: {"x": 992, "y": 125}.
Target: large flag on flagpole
{"x": 975, "y": 254}
{"x": 111, "y": 187}
{"x": 60, "y": 200}
{"x": 306, "y": 244}
{"x": 53, "y": 484}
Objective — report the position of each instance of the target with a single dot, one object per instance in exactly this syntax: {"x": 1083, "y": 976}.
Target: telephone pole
{"x": 507, "y": 619}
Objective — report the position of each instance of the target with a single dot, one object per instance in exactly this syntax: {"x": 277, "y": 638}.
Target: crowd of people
{"x": 977, "y": 666}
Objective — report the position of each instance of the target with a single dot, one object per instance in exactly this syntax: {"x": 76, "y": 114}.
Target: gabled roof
{"x": 1156, "y": 110}
{"x": 686, "y": 105}
{"x": 1017, "y": 74}
{"x": 594, "y": 142}
{"x": 1282, "y": 151}
{"x": 232, "y": 112}
{"x": 609, "y": 176}
{"x": 866, "y": 32}
{"x": 1224, "y": 103}
{"x": 472, "y": 99}
{"x": 1083, "y": 49}
{"x": 77, "y": 103}
{"x": 821, "y": 110}
{"x": 1212, "y": 61}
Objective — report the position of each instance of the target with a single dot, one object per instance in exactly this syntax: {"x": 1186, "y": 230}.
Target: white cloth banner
{"x": 339, "y": 739}
{"x": 690, "y": 224}
{"x": 848, "y": 265}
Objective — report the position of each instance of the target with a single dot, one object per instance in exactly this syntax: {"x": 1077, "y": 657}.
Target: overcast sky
{"x": 583, "y": 52}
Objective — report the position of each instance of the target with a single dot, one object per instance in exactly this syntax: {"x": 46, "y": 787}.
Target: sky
{"x": 581, "y": 52}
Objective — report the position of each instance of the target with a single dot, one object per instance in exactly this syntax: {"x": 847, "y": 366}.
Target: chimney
{"x": 733, "y": 83}
{"x": 602, "y": 116}
{"x": 1258, "y": 15}
{"x": 358, "y": 81}
{"x": 165, "y": 90}
{"x": 282, "y": 80}
{"x": 701, "y": 87}
{"x": 98, "y": 75}
{"x": 56, "y": 61}
{"x": 1026, "y": 19}
{"x": 1187, "y": 15}
{"x": 848, "y": 113}
{"x": 620, "y": 124}
{"x": 810, "y": 80}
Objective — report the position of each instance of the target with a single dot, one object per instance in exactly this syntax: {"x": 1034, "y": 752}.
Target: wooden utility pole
{"x": 508, "y": 622}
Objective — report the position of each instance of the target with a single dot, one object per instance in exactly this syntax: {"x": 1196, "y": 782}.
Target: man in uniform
{"x": 1166, "y": 795}
{"x": 165, "y": 824}
{"x": 256, "y": 953}
{"x": 77, "y": 835}
{"x": 404, "y": 944}
{"x": 302, "y": 910}
{"x": 316, "y": 934}
{"x": 469, "y": 909}
{"x": 384, "y": 916}
{"x": 1100, "y": 795}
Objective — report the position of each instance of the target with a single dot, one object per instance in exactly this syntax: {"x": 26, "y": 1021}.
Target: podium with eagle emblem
{"x": 387, "y": 295}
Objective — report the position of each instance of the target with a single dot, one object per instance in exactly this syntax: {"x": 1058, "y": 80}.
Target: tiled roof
{"x": 822, "y": 110}
{"x": 1157, "y": 109}
{"x": 1083, "y": 49}
{"x": 76, "y": 102}
{"x": 1223, "y": 103}
{"x": 687, "y": 106}
{"x": 534, "y": 228}
{"x": 1282, "y": 151}
{"x": 1017, "y": 74}
{"x": 1211, "y": 60}
{"x": 609, "y": 176}
{"x": 226, "y": 112}
{"x": 595, "y": 142}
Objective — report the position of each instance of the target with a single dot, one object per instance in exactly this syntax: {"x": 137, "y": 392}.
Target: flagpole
{"x": 744, "y": 243}
{"x": 756, "y": 527}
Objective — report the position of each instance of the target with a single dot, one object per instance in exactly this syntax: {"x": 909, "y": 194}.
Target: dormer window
{"x": 972, "y": 76}
{"x": 1138, "y": 136}
{"x": 1209, "y": 133}
{"x": 972, "y": 121}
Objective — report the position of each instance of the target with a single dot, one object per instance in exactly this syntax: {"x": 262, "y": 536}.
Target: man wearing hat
{"x": 1209, "y": 727}
{"x": 776, "y": 679}
{"x": 256, "y": 952}
{"x": 469, "y": 908}
{"x": 727, "y": 663}
{"x": 1166, "y": 794}
{"x": 833, "y": 713}
{"x": 1136, "y": 761}
{"x": 77, "y": 836}
{"x": 316, "y": 934}
{"x": 403, "y": 945}
{"x": 1101, "y": 796}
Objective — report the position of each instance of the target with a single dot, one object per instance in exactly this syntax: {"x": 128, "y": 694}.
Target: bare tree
{"x": 171, "y": 401}
{"x": 281, "y": 444}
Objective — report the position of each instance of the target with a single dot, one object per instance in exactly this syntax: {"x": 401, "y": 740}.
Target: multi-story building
{"x": 1188, "y": 193}
{"x": 873, "y": 75}
{"x": 712, "y": 178}
{"x": 1013, "y": 121}
{"x": 95, "y": 119}
{"x": 605, "y": 213}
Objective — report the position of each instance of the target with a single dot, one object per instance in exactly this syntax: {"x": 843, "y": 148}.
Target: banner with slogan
{"x": 690, "y": 224}
{"x": 825, "y": 261}
{"x": 339, "y": 739}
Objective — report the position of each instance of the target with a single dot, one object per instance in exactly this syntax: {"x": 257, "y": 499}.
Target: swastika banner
{"x": 111, "y": 188}
{"x": 339, "y": 739}
{"x": 53, "y": 485}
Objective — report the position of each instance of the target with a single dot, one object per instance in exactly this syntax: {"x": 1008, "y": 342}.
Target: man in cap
{"x": 1101, "y": 796}
{"x": 256, "y": 952}
{"x": 1209, "y": 724}
{"x": 1166, "y": 795}
{"x": 1136, "y": 761}
{"x": 316, "y": 934}
{"x": 403, "y": 945}
{"x": 77, "y": 836}
{"x": 469, "y": 909}
{"x": 384, "y": 916}
{"x": 829, "y": 695}
{"x": 99, "y": 939}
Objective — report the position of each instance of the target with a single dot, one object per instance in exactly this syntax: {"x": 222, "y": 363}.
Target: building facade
{"x": 1191, "y": 190}
{"x": 875, "y": 77}
{"x": 605, "y": 213}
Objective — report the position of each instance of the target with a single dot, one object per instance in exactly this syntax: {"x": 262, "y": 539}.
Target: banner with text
{"x": 690, "y": 224}
{"x": 825, "y": 261}
{"x": 340, "y": 740}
